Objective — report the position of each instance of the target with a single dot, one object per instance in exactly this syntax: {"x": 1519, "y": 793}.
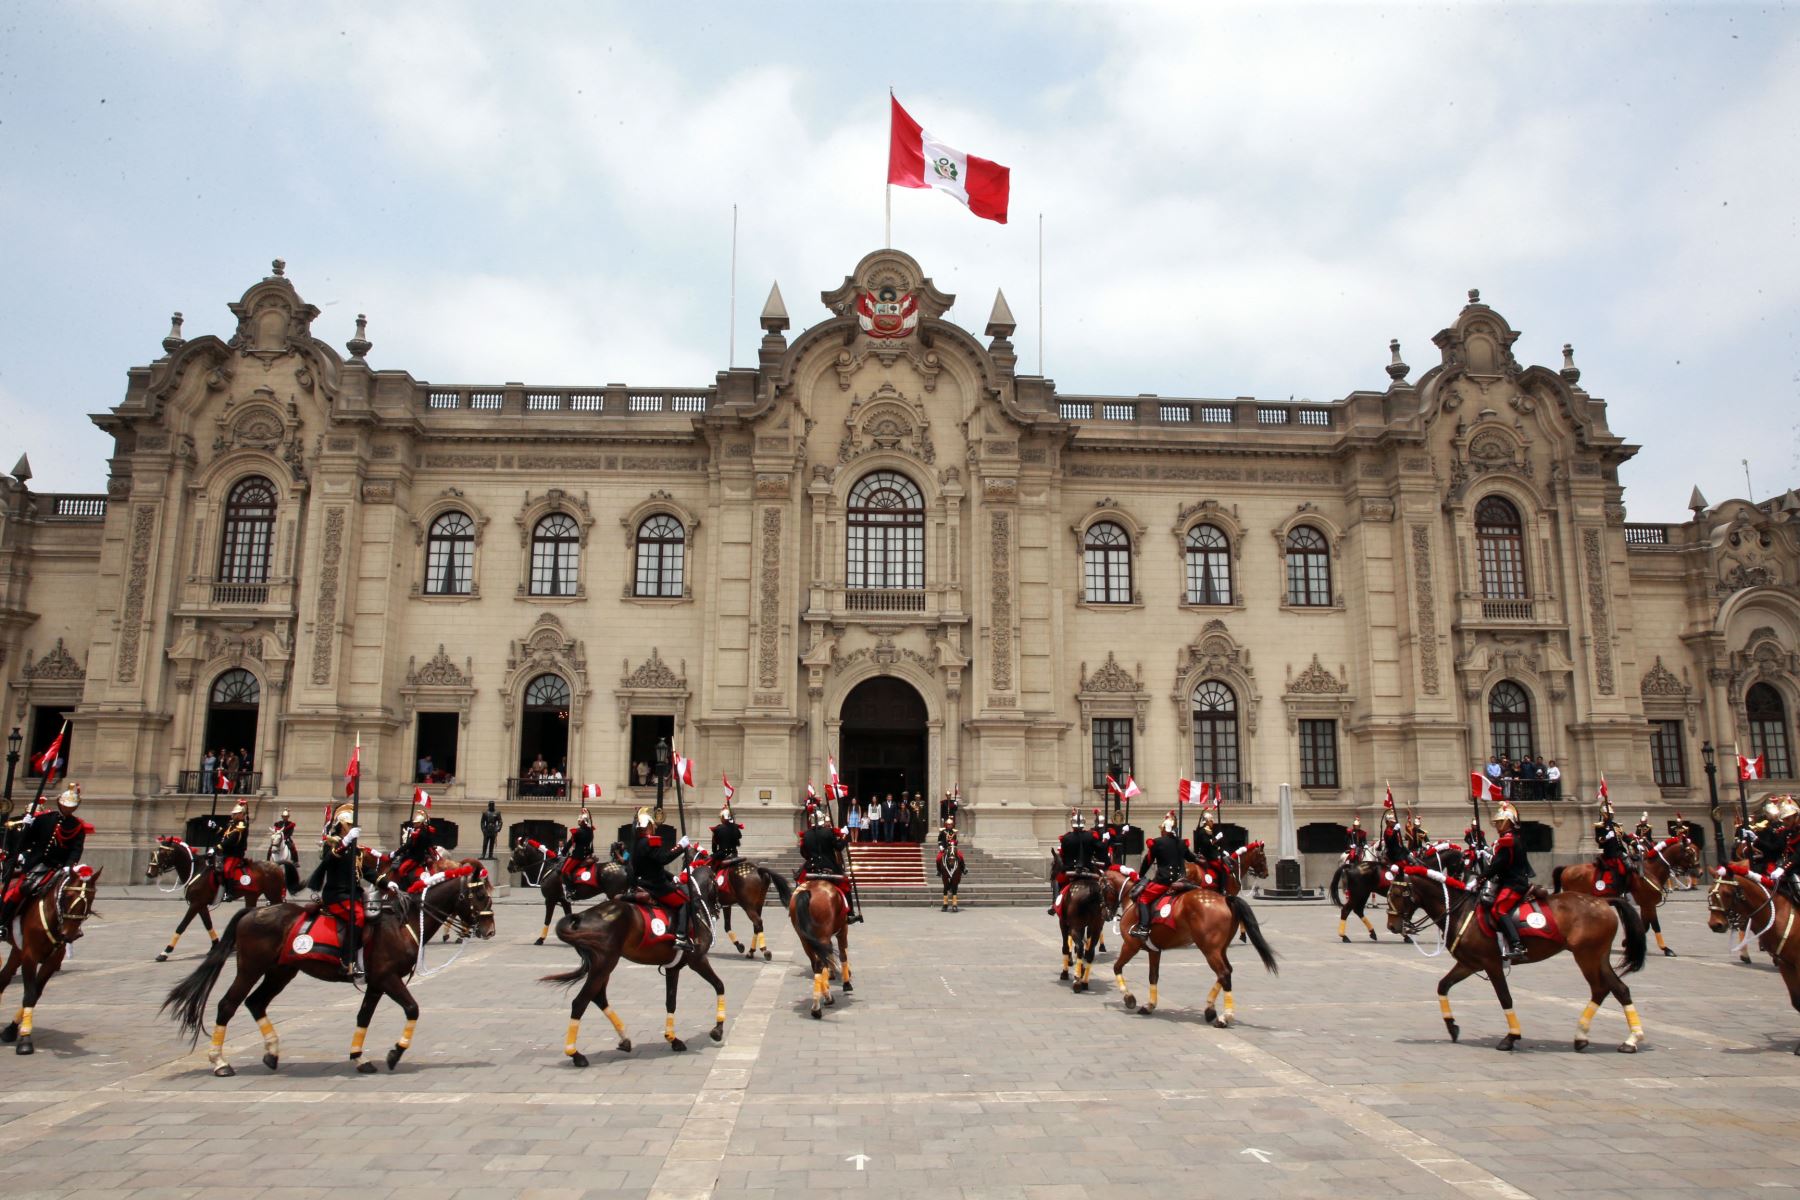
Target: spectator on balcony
{"x": 426, "y": 766}
{"x": 231, "y": 766}
{"x": 854, "y": 821}
{"x": 244, "y": 770}
{"x": 209, "y": 773}
{"x": 642, "y": 772}
{"x": 538, "y": 769}
{"x": 1553, "y": 781}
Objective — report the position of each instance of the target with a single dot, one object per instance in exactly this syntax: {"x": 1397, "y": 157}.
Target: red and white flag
{"x": 1603, "y": 793}
{"x": 684, "y": 769}
{"x": 1125, "y": 791}
{"x": 1748, "y": 768}
{"x": 421, "y": 798}
{"x": 1189, "y": 792}
{"x": 590, "y": 791}
{"x": 729, "y": 790}
{"x": 45, "y": 763}
{"x": 917, "y": 159}
{"x": 834, "y": 787}
{"x": 353, "y": 771}
{"x": 224, "y": 782}
{"x": 1480, "y": 788}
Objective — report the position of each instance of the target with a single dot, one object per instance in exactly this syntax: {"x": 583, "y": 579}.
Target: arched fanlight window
{"x": 555, "y": 556}
{"x": 236, "y": 687}
{"x": 1509, "y": 720}
{"x": 1106, "y": 557}
{"x": 1208, "y": 565}
{"x": 1308, "y": 568}
{"x": 661, "y": 556}
{"x": 450, "y": 555}
{"x": 1216, "y": 735}
{"x": 1500, "y": 543}
{"x": 886, "y": 528}
{"x": 545, "y": 693}
{"x": 1769, "y": 730}
{"x": 249, "y": 532}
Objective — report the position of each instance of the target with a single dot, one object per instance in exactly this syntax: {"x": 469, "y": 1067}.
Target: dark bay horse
{"x": 821, "y": 915}
{"x": 1742, "y": 899}
{"x": 1082, "y": 917}
{"x": 1664, "y": 861}
{"x": 1204, "y": 919}
{"x": 1360, "y": 880}
{"x": 39, "y": 938}
{"x": 1585, "y": 927}
{"x": 616, "y": 929}
{"x": 391, "y": 944}
{"x": 951, "y": 868}
{"x": 202, "y": 885}
{"x": 743, "y": 884}
{"x": 541, "y": 868}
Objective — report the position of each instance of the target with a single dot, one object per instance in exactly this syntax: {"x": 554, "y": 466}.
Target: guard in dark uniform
{"x": 283, "y": 831}
{"x": 727, "y": 841}
{"x": 1393, "y": 843}
{"x": 651, "y": 853}
{"x": 1079, "y": 851}
{"x": 1508, "y": 873}
{"x": 491, "y": 825}
{"x": 820, "y": 854}
{"x": 47, "y": 844}
{"x": 1780, "y": 843}
{"x": 234, "y": 848}
{"x": 578, "y": 851}
{"x": 418, "y": 849}
{"x": 1356, "y": 842}
{"x": 947, "y": 847}
{"x": 338, "y": 880}
{"x": 1164, "y": 868}
{"x": 1416, "y": 837}
{"x": 1644, "y": 830}
{"x": 1475, "y": 848}
{"x": 1611, "y": 870}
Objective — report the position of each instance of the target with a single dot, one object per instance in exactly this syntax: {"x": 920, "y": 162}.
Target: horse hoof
{"x": 848, "y": 986}
{"x": 741, "y": 949}
{"x": 1209, "y": 1015}
{"x": 816, "y": 1014}
{"x": 1627, "y": 1047}
{"x": 1373, "y": 938}
{"x": 1223, "y": 1022}
{"x": 718, "y": 1032}
{"x": 271, "y": 1061}
{"x": 25, "y": 1046}
{"x": 163, "y": 957}
{"x": 1344, "y": 938}
{"x": 1405, "y": 937}
{"x": 1506, "y": 1043}
{"x": 10, "y": 1034}
{"x": 1668, "y": 953}
{"x": 1130, "y": 1002}
{"x": 624, "y": 1045}
{"x": 768, "y": 957}
{"x": 1455, "y": 1030}
{"x": 578, "y": 1060}
{"x": 393, "y": 1057}
{"x": 1581, "y": 1044}
{"x": 677, "y": 1045}
{"x": 539, "y": 942}
{"x": 830, "y": 999}
{"x": 1100, "y": 949}
{"x": 365, "y": 1068}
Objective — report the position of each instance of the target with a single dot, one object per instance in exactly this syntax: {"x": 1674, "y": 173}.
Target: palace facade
{"x": 885, "y": 544}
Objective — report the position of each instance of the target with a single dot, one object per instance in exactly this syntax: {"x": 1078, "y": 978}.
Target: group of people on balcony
{"x": 542, "y": 779}
{"x": 1526, "y": 778}
{"x": 224, "y": 770}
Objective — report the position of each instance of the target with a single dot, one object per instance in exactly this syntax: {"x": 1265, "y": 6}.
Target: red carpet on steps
{"x": 888, "y": 864}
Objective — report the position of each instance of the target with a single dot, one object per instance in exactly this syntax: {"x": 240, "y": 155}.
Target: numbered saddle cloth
{"x": 1534, "y": 918}
{"x": 659, "y": 924}
{"x": 316, "y": 937}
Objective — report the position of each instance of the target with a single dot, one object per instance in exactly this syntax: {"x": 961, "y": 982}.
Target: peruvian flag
{"x": 1189, "y": 792}
{"x": 833, "y": 786}
{"x": 917, "y": 159}
{"x": 1480, "y": 788}
{"x": 1603, "y": 793}
{"x": 590, "y": 791}
{"x": 684, "y": 769}
{"x": 224, "y": 783}
{"x": 353, "y": 770}
{"x": 1126, "y": 792}
{"x": 45, "y": 763}
{"x": 1748, "y": 768}
{"x": 421, "y": 798}
{"x": 729, "y": 790}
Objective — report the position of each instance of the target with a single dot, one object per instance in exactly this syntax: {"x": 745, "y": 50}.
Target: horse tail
{"x": 292, "y": 873}
{"x": 1335, "y": 876}
{"x": 1556, "y": 879}
{"x": 582, "y": 968}
{"x": 1241, "y": 909}
{"x": 821, "y": 948}
{"x": 187, "y": 999}
{"x": 779, "y": 882}
{"x": 1635, "y": 945}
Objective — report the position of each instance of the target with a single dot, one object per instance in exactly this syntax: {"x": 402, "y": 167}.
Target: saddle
{"x": 315, "y": 936}
{"x": 1533, "y": 915}
{"x": 582, "y": 870}
{"x": 1610, "y": 880}
{"x": 659, "y": 919}
{"x": 1164, "y": 911}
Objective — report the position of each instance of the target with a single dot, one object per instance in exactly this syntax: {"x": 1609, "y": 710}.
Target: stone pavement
{"x": 940, "y": 1076}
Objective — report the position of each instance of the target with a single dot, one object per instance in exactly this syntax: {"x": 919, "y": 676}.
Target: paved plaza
{"x": 959, "y": 1067}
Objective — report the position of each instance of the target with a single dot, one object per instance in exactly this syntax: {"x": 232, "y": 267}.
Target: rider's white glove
{"x": 1778, "y": 872}
{"x": 428, "y": 880}
{"x": 683, "y": 844}
{"x": 355, "y": 832}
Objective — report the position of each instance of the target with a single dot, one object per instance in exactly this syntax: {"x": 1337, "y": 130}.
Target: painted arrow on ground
{"x": 1261, "y": 1156}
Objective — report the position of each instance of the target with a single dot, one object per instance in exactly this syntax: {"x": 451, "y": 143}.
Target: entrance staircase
{"x": 905, "y": 874}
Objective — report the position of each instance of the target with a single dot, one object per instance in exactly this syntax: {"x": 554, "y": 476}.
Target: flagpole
{"x": 45, "y": 774}
{"x": 1743, "y": 800}
{"x": 1040, "y": 369}
{"x": 887, "y": 188}
{"x": 731, "y": 325}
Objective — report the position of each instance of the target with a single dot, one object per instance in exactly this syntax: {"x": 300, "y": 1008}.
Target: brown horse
{"x": 539, "y": 867}
{"x": 1585, "y": 926}
{"x": 615, "y": 929}
{"x": 202, "y": 885}
{"x": 1204, "y": 919}
{"x": 392, "y": 942}
{"x": 1748, "y": 901}
{"x": 1361, "y": 880}
{"x": 1083, "y": 918}
{"x": 951, "y": 868}
{"x": 820, "y": 915}
{"x": 1650, "y": 883}
{"x": 49, "y": 922}
{"x": 744, "y": 885}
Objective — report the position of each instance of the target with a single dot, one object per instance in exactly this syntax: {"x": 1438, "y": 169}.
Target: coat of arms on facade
{"x": 887, "y": 312}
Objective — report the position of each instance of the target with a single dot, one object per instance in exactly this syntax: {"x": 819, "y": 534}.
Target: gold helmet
{"x": 643, "y": 818}
{"x": 1076, "y": 819}
{"x": 1789, "y": 809}
{"x": 345, "y": 815}
{"x": 240, "y": 808}
{"x": 1168, "y": 823}
{"x": 285, "y": 814}
{"x": 70, "y": 800}
{"x": 1772, "y": 809}
{"x": 725, "y": 813}
{"x": 585, "y": 819}
{"x": 1506, "y": 814}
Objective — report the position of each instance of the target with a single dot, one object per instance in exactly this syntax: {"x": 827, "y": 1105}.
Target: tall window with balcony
{"x": 1509, "y": 720}
{"x": 1216, "y": 738}
{"x": 450, "y": 555}
{"x": 1112, "y": 735}
{"x": 1208, "y": 565}
{"x": 661, "y": 557}
{"x": 885, "y": 549}
{"x": 248, "y": 543}
{"x": 1500, "y": 547}
{"x": 1769, "y": 730}
{"x": 556, "y": 556}
{"x": 1667, "y": 762}
{"x": 1106, "y": 559}
{"x": 1308, "y": 568}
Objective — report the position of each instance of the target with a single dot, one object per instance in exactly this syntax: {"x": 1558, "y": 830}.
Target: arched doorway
{"x": 544, "y": 727}
{"x": 231, "y": 712}
{"x": 883, "y": 741}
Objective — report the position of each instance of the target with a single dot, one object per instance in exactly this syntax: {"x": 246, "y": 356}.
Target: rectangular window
{"x": 1666, "y": 758}
{"x": 1111, "y": 734}
{"x": 438, "y": 736}
{"x": 645, "y": 732}
{"x": 1318, "y": 754}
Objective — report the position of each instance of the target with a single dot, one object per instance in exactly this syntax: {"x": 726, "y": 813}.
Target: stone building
{"x": 882, "y": 543}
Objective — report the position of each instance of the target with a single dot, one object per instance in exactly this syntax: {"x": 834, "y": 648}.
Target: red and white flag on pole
{"x": 45, "y": 763}
{"x": 421, "y": 798}
{"x": 684, "y": 769}
{"x": 1203, "y": 794}
{"x": 354, "y": 770}
{"x": 812, "y": 796}
{"x": 1480, "y": 788}
{"x": 1125, "y": 791}
{"x": 917, "y": 159}
{"x": 224, "y": 782}
{"x": 590, "y": 791}
{"x": 729, "y": 790}
{"x": 1748, "y": 768}
{"x": 834, "y": 787}
{"x": 1603, "y": 793}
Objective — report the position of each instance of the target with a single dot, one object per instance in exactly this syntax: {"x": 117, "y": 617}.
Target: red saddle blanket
{"x": 312, "y": 938}
{"x": 659, "y": 923}
{"x": 1535, "y": 920}
{"x": 1162, "y": 909}
{"x": 1609, "y": 881}
{"x": 238, "y": 882}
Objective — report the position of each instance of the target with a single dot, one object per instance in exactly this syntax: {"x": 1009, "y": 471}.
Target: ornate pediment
{"x": 1316, "y": 680}
{"x": 886, "y": 421}
{"x": 1111, "y": 677}
{"x": 655, "y": 673}
{"x": 57, "y": 665}
{"x": 272, "y": 319}
{"x": 1660, "y": 681}
{"x": 1213, "y": 652}
{"x": 1112, "y": 692}
{"x": 440, "y": 671}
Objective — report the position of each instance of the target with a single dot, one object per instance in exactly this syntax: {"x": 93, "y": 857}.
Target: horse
{"x": 282, "y": 856}
{"x": 1082, "y": 916}
{"x": 1650, "y": 883}
{"x": 745, "y": 885}
{"x": 41, "y": 935}
{"x": 950, "y": 869}
{"x": 1362, "y": 879}
{"x": 203, "y": 883}
{"x": 1204, "y": 919}
{"x": 1583, "y": 925}
{"x": 820, "y": 914}
{"x": 617, "y": 928}
{"x": 391, "y": 941}
{"x": 1742, "y": 899}
{"x": 539, "y": 867}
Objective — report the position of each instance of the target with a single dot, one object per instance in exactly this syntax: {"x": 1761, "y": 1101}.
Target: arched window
{"x": 1769, "y": 730}
{"x": 1500, "y": 542}
{"x": 886, "y": 533}
{"x": 1216, "y": 736}
{"x": 236, "y": 687}
{"x": 555, "y": 556}
{"x": 249, "y": 532}
{"x": 1308, "y": 568}
{"x": 1509, "y": 720}
{"x": 661, "y": 556}
{"x": 1106, "y": 553}
{"x": 450, "y": 555}
{"x": 1208, "y": 565}
{"x": 546, "y": 693}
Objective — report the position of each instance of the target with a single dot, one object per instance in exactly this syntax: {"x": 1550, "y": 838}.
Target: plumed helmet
{"x": 1772, "y": 810}
{"x": 70, "y": 800}
{"x": 1168, "y": 823}
{"x": 643, "y": 818}
{"x": 586, "y": 819}
{"x": 345, "y": 815}
{"x": 1789, "y": 809}
{"x": 285, "y": 814}
{"x": 819, "y": 818}
{"x": 1356, "y": 822}
{"x": 725, "y": 813}
{"x": 1506, "y": 814}
{"x": 1077, "y": 819}
{"x": 239, "y": 809}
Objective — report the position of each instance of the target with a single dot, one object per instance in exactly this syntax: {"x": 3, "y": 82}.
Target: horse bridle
{"x": 78, "y": 911}
{"x": 1714, "y": 905}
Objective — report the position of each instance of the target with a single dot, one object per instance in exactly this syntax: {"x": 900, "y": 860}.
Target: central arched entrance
{"x": 883, "y": 740}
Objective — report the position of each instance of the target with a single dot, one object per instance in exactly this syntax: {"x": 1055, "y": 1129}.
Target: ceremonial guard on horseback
{"x": 1209, "y": 853}
{"x": 1080, "y": 851}
{"x": 654, "y": 846}
{"x": 410, "y": 869}
{"x": 338, "y": 881}
{"x": 950, "y": 864}
{"x": 1612, "y": 867}
{"x": 46, "y": 893}
{"x": 1356, "y": 842}
{"x": 282, "y": 850}
{"x": 578, "y": 851}
{"x": 824, "y": 905}
{"x": 1393, "y": 841}
{"x": 46, "y": 844}
{"x": 1504, "y": 880}
{"x": 234, "y": 850}
{"x": 1163, "y": 872}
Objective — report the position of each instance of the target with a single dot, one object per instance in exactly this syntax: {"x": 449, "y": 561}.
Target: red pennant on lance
{"x": 421, "y": 798}
{"x": 1748, "y": 768}
{"x": 834, "y": 787}
{"x": 684, "y": 770}
{"x": 590, "y": 791}
{"x": 917, "y": 159}
{"x": 353, "y": 770}
{"x": 1480, "y": 788}
{"x": 729, "y": 790}
{"x": 46, "y": 762}
{"x": 812, "y": 796}
{"x": 1603, "y": 793}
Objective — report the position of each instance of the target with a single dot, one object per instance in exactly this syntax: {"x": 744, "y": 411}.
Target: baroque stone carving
{"x": 378, "y": 491}
{"x": 1596, "y": 573}
{"x": 1215, "y": 654}
{"x": 769, "y": 601}
{"x": 325, "y": 619}
{"x": 1660, "y": 681}
{"x": 1000, "y": 489}
{"x": 56, "y": 665}
{"x": 1000, "y": 556}
{"x": 480, "y": 462}
{"x": 655, "y": 673}
{"x": 1112, "y": 691}
{"x": 1316, "y": 680}
{"x": 1378, "y": 509}
{"x": 440, "y": 671}
{"x": 1111, "y": 677}
{"x": 1426, "y": 622}
{"x": 137, "y": 584}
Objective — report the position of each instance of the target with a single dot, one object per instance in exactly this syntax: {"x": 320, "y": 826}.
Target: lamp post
{"x": 662, "y": 773}
{"x": 14, "y": 741}
{"x": 1712, "y": 791}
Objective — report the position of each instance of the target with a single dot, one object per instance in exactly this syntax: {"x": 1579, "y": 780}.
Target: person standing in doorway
{"x": 209, "y": 774}
{"x": 854, "y": 821}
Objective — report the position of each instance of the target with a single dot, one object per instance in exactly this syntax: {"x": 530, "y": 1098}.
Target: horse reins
{"x": 77, "y": 912}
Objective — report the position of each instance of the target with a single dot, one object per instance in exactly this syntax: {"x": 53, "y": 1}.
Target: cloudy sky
{"x": 1236, "y": 200}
